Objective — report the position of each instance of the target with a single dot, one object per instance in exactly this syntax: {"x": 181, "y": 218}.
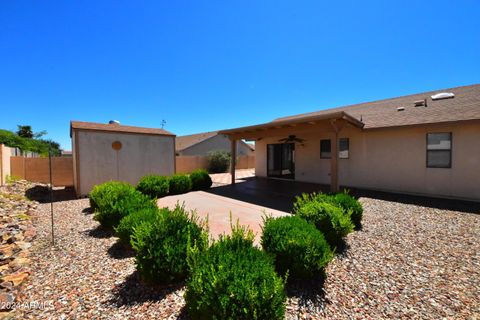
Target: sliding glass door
{"x": 281, "y": 160}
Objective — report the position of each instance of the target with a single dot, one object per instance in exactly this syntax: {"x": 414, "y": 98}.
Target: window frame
{"x": 330, "y": 141}
{"x": 450, "y": 150}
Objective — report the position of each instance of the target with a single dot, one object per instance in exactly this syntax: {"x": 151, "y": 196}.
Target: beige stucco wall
{"x": 218, "y": 142}
{"x": 391, "y": 160}
{"x": 140, "y": 154}
{"x": 5, "y": 153}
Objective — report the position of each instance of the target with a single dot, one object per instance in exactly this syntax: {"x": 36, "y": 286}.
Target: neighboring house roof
{"x": 107, "y": 127}
{"x": 383, "y": 113}
{"x": 185, "y": 142}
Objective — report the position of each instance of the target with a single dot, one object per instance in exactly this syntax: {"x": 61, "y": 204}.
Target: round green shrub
{"x": 129, "y": 223}
{"x": 296, "y": 245}
{"x": 330, "y": 219}
{"x": 218, "y": 161}
{"x": 153, "y": 186}
{"x": 352, "y": 205}
{"x": 180, "y": 183}
{"x": 200, "y": 180}
{"x": 161, "y": 245}
{"x": 114, "y": 200}
{"x": 101, "y": 191}
{"x": 234, "y": 280}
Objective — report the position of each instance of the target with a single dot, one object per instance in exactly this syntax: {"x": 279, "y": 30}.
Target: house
{"x": 201, "y": 144}
{"x": 425, "y": 144}
{"x": 103, "y": 152}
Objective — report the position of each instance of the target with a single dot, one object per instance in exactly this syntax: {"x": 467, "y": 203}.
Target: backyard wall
{"x": 392, "y": 160}
{"x": 96, "y": 161}
{"x": 37, "y": 170}
{"x": 5, "y": 153}
{"x": 186, "y": 164}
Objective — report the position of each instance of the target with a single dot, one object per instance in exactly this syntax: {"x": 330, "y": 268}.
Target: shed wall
{"x": 140, "y": 155}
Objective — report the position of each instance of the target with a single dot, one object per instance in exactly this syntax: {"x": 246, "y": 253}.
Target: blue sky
{"x": 208, "y": 65}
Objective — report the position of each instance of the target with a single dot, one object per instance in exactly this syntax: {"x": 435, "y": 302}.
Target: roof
{"x": 106, "y": 127}
{"x": 184, "y": 142}
{"x": 288, "y": 122}
{"x": 383, "y": 113}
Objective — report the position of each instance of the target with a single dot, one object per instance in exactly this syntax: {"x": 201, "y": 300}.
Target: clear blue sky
{"x": 208, "y": 65}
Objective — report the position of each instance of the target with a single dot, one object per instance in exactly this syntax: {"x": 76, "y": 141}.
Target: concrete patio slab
{"x": 218, "y": 209}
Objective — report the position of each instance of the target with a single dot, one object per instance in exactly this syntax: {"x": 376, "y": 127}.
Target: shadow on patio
{"x": 273, "y": 194}
{"x": 280, "y": 195}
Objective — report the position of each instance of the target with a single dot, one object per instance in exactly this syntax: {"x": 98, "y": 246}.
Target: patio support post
{"x": 233, "y": 154}
{"x": 334, "y": 160}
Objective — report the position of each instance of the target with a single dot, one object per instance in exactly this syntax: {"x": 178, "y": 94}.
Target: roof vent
{"x": 113, "y": 122}
{"x": 443, "y": 95}
{"x": 421, "y": 103}
{"x": 400, "y": 108}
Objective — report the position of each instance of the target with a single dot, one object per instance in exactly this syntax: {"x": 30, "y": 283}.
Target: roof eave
{"x": 334, "y": 115}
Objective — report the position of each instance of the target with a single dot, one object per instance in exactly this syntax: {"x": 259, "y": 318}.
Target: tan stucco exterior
{"x": 391, "y": 159}
{"x": 95, "y": 161}
{"x": 5, "y": 153}
{"x": 217, "y": 142}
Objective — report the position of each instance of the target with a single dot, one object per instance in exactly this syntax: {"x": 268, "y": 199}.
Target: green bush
{"x": 234, "y": 280}
{"x": 129, "y": 223}
{"x": 349, "y": 203}
{"x": 218, "y": 161}
{"x": 114, "y": 200}
{"x": 330, "y": 219}
{"x": 200, "y": 180}
{"x": 296, "y": 245}
{"x": 180, "y": 183}
{"x": 161, "y": 245}
{"x": 153, "y": 186}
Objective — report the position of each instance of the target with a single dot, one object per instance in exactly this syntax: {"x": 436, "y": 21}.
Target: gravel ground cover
{"x": 407, "y": 262}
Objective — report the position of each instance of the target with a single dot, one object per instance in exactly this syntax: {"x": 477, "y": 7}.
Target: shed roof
{"x": 107, "y": 127}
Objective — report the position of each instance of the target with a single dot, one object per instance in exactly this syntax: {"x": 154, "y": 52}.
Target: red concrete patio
{"x": 221, "y": 211}
{"x": 248, "y": 200}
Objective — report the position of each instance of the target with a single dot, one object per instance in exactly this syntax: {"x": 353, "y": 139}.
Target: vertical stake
{"x": 51, "y": 191}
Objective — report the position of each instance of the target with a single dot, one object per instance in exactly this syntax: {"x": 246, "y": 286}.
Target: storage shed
{"x": 104, "y": 152}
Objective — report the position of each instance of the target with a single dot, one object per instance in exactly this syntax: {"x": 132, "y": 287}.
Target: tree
{"x": 25, "y": 131}
{"x": 21, "y": 140}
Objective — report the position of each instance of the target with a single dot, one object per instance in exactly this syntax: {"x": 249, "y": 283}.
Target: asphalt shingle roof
{"x": 383, "y": 113}
{"x": 117, "y": 128}
{"x": 184, "y": 142}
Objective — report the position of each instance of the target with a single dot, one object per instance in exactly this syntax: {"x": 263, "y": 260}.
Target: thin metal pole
{"x": 51, "y": 191}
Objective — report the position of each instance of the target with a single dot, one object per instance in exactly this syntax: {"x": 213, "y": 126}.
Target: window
{"x": 325, "y": 149}
{"x": 344, "y": 145}
{"x": 439, "y": 150}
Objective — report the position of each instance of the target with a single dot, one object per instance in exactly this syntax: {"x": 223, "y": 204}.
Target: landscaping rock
{"x": 408, "y": 262}
{"x": 17, "y": 232}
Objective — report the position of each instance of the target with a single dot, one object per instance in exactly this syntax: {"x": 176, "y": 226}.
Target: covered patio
{"x": 281, "y": 139}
